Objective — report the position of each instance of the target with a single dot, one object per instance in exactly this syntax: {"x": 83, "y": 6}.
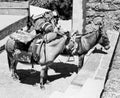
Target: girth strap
{"x": 36, "y": 48}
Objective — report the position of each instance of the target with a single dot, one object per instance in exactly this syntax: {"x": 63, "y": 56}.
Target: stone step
{"x": 91, "y": 89}
{"x": 72, "y": 90}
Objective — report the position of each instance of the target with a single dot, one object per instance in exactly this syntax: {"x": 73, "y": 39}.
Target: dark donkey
{"x": 46, "y": 52}
{"x": 80, "y": 44}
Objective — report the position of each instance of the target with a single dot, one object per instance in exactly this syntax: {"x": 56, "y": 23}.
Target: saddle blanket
{"x": 27, "y": 56}
{"x": 23, "y": 56}
{"x": 22, "y": 37}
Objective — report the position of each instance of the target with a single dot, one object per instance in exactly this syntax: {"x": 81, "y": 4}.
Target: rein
{"x": 80, "y": 35}
{"x": 84, "y": 34}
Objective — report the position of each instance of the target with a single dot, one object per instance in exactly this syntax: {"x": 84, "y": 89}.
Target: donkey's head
{"x": 104, "y": 41}
{"x": 103, "y": 37}
{"x": 71, "y": 44}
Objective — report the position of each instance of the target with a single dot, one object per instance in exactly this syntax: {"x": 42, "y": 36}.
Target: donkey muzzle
{"x": 107, "y": 47}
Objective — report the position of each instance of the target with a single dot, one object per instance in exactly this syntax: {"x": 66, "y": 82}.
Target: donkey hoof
{"x": 15, "y": 77}
{"x": 42, "y": 87}
{"x": 47, "y": 82}
{"x": 33, "y": 71}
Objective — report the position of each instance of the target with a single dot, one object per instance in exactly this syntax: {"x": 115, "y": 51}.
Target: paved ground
{"x": 29, "y": 86}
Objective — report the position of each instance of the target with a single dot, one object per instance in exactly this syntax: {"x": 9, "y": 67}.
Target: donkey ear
{"x": 76, "y": 32}
{"x": 32, "y": 15}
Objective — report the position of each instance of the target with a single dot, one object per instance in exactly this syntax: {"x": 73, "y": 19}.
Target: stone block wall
{"x": 104, "y": 11}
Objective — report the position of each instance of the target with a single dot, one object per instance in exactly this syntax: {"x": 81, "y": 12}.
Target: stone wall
{"x": 106, "y": 11}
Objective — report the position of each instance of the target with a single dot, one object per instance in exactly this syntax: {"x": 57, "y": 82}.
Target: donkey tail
{"x": 9, "y": 47}
{"x": 9, "y": 61}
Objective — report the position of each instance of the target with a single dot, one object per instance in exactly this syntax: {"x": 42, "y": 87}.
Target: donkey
{"x": 39, "y": 51}
{"x": 80, "y": 44}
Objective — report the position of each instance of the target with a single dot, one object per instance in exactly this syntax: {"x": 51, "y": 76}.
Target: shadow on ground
{"x": 101, "y": 51}
{"x": 32, "y": 77}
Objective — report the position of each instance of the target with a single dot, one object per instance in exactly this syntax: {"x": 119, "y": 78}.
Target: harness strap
{"x": 39, "y": 48}
{"x": 82, "y": 45}
{"x": 45, "y": 25}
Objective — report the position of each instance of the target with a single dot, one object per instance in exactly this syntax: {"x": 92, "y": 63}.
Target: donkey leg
{"x": 12, "y": 66}
{"x": 14, "y": 71}
{"x": 9, "y": 62}
{"x": 43, "y": 76}
{"x": 81, "y": 61}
